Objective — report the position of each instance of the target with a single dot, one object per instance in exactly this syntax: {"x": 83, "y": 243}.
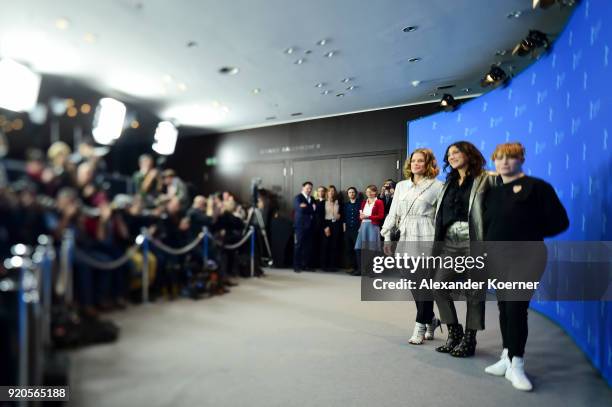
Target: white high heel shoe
{"x": 431, "y": 328}
{"x": 418, "y": 335}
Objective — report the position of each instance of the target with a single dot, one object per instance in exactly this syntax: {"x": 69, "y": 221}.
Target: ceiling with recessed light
{"x": 223, "y": 66}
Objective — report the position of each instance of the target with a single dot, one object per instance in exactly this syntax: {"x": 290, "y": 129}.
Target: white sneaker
{"x": 500, "y": 367}
{"x": 418, "y": 335}
{"x": 431, "y": 328}
{"x": 516, "y": 374}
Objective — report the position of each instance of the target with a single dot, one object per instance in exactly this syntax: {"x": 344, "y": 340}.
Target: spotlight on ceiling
{"x": 19, "y": 86}
{"x": 543, "y": 3}
{"x": 108, "y": 121}
{"x": 166, "y": 135}
{"x": 547, "y": 3}
{"x": 448, "y": 102}
{"x": 494, "y": 77}
{"x": 534, "y": 40}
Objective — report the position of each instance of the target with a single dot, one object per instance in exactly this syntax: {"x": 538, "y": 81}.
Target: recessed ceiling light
{"x": 191, "y": 44}
{"x": 340, "y": 95}
{"x": 228, "y": 70}
{"x": 347, "y": 80}
{"x": 71, "y": 111}
{"x": 415, "y": 83}
{"x": 89, "y": 38}
{"x": 270, "y": 117}
{"x": 325, "y": 92}
{"x": 300, "y": 61}
{"x": 445, "y": 87}
{"x": 331, "y": 54}
{"x": 501, "y": 52}
{"x": 319, "y": 85}
{"x": 256, "y": 91}
{"x": 352, "y": 87}
{"x": 410, "y": 28}
{"x": 308, "y": 51}
{"x": 296, "y": 114}
{"x": 322, "y": 42}
{"x": 466, "y": 90}
{"x": 85, "y": 108}
{"x": 433, "y": 94}
{"x": 289, "y": 50}
{"x": 415, "y": 59}
{"x": 134, "y": 124}
{"x": 514, "y": 14}
{"x": 62, "y": 23}
{"x": 182, "y": 87}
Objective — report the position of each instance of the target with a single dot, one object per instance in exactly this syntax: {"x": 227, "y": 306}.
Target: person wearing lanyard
{"x": 522, "y": 210}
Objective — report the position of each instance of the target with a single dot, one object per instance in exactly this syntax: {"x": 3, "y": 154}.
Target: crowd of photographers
{"x": 64, "y": 191}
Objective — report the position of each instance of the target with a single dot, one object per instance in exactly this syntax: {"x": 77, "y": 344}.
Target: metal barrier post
{"x": 205, "y": 246}
{"x": 46, "y": 289}
{"x": 66, "y": 263}
{"x": 145, "y": 266}
{"x": 252, "y": 229}
{"x": 23, "y": 330}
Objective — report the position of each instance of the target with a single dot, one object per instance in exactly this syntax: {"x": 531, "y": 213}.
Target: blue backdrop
{"x": 561, "y": 110}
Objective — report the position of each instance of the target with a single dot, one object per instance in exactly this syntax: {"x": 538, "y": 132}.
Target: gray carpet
{"x": 307, "y": 340}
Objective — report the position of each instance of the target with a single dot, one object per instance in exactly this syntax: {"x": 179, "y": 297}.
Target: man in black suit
{"x": 304, "y": 208}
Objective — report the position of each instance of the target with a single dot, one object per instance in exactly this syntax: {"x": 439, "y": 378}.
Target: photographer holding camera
{"x": 386, "y": 194}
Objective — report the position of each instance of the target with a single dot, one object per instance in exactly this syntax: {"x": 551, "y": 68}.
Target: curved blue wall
{"x": 561, "y": 110}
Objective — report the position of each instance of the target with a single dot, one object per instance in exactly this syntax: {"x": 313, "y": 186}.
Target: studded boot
{"x": 455, "y": 335}
{"x": 467, "y": 347}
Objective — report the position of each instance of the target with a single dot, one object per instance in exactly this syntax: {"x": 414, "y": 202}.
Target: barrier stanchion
{"x": 24, "y": 348}
{"x": 252, "y": 229}
{"x": 66, "y": 264}
{"x": 43, "y": 258}
{"x": 205, "y": 245}
{"x": 145, "y": 266}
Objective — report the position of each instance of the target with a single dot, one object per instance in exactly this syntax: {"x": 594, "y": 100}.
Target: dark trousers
{"x": 425, "y": 311}
{"x": 330, "y": 249}
{"x": 302, "y": 249}
{"x": 350, "y": 238}
{"x": 513, "y": 325}
{"x": 456, "y": 243}
{"x": 475, "y": 314}
{"x": 314, "y": 260}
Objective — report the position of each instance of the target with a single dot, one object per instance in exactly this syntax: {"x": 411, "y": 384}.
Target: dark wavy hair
{"x": 476, "y": 161}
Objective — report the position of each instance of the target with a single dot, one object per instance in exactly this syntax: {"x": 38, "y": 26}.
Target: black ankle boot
{"x": 467, "y": 347}
{"x": 455, "y": 335}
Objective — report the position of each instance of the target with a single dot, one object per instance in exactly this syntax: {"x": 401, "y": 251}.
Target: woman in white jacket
{"x": 412, "y": 212}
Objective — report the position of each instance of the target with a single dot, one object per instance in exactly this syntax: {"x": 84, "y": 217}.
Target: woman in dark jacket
{"x": 459, "y": 221}
{"x": 521, "y": 209}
